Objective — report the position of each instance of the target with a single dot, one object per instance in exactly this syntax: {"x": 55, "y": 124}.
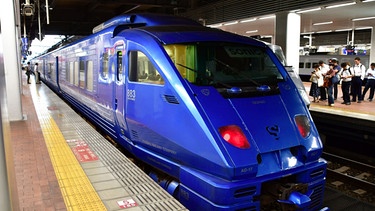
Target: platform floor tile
{"x": 103, "y": 178}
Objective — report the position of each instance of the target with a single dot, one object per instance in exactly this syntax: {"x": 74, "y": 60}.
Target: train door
{"x": 119, "y": 91}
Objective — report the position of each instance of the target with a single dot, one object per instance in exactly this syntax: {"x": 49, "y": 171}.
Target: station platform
{"x": 364, "y": 110}
{"x": 63, "y": 163}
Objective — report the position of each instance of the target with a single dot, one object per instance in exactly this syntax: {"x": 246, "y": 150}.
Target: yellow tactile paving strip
{"x": 77, "y": 191}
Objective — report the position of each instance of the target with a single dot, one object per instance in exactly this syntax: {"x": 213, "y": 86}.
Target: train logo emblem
{"x": 205, "y": 92}
{"x": 273, "y": 131}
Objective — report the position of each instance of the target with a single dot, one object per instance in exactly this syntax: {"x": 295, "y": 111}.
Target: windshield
{"x": 224, "y": 64}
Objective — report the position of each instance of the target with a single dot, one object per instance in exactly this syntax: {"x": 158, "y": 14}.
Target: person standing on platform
{"x": 337, "y": 69}
{"x": 314, "y": 78}
{"x": 328, "y": 77}
{"x": 37, "y": 74}
{"x": 28, "y": 72}
{"x": 370, "y": 84}
{"x": 358, "y": 70}
{"x": 346, "y": 77}
{"x": 323, "y": 70}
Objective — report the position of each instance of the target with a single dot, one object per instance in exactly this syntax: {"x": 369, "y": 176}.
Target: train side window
{"x": 76, "y": 73}
{"x": 104, "y": 69}
{"x": 308, "y": 65}
{"x": 67, "y": 71}
{"x": 301, "y": 65}
{"x": 183, "y": 56}
{"x": 82, "y": 77}
{"x": 71, "y": 72}
{"x": 119, "y": 71}
{"x": 141, "y": 69}
{"x": 90, "y": 76}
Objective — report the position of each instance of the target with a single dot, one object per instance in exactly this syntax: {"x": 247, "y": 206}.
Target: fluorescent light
{"x": 364, "y": 1}
{"x": 267, "y": 17}
{"x": 361, "y": 19}
{"x": 307, "y": 33}
{"x": 324, "y": 31}
{"x": 215, "y": 26}
{"x": 342, "y": 30}
{"x": 323, "y": 23}
{"x": 266, "y": 36}
{"x": 230, "y": 23}
{"x": 248, "y": 20}
{"x": 362, "y": 28}
{"x": 253, "y": 31}
{"x": 310, "y": 10}
{"x": 340, "y": 5}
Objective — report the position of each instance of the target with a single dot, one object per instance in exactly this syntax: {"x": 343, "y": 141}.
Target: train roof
{"x": 185, "y": 34}
{"x": 166, "y": 28}
{"x": 139, "y": 20}
{"x": 169, "y": 29}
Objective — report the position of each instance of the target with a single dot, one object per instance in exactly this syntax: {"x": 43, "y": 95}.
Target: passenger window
{"x": 308, "y": 65}
{"x": 76, "y": 73}
{"x": 104, "y": 69}
{"x": 82, "y": 77}
{"x": 301, "y": 65}
{"x": 67, "y": 71}
{"x": 119, "y": 71}
{"x": 71, "y": 72}
{"x": 141, "y": 69}
{"x": 90, "y": 76}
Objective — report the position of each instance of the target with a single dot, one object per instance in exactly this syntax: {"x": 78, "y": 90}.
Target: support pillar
{"x": 12, "y": 61}
{"x": 372, "y": 51}
{"x": 287, "y": 35}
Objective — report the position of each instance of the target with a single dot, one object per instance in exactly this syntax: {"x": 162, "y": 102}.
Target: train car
{"x": 214, "y": 116}
{"x": 307, "y": 62}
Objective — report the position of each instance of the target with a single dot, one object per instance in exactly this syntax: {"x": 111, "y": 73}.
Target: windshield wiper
{"x": 237, "y": 72}
{"x": 206, "y": 77}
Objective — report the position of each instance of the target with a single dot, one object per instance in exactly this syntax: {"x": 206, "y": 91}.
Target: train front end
{"x": 260, "y": 125}
{"x": 227, "y": 122}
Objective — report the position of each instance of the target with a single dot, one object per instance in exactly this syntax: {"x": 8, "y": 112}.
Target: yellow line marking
{"x": 77, "y": 190}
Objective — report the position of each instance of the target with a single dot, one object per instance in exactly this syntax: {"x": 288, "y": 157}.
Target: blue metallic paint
{"x": 182, "y": 138}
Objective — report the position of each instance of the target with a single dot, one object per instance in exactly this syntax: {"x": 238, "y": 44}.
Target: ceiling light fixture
{"x": 365, "y": 1}
{"x": 215, "y": 25}
{"x": 340, "y": 5}
{"x": 342, "y": 30}
{"x": 267, "y": 17}
{"x": 310, "y": 10}
{"x": 248, "y": 20}
{"x": 363, "y": 28}
{"x": 230, "y": 23}
{"x": 253, "y": 31}
{"x": 328, "y": 31}
{"x": 323, "y": 23}
{"x": 361, "y": 19}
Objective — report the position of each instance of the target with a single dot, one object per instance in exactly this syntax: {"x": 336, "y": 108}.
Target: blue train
{"x": 214, "y": 115}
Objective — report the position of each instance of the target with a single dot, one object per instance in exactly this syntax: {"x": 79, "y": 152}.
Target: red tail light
{"x": 234, "y": 135}
{"x": 303, "y": 125}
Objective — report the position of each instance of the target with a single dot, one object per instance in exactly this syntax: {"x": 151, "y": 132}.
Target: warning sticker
{"x": 83, "y": 153}
{"x": 128, "y": 203}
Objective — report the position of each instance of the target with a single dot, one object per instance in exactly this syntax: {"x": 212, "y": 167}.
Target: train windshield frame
{"x": 224, "y": 65}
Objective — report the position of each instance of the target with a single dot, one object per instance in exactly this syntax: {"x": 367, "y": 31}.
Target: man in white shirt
{"x": 370, "y": 84}
{"x": 323, "y": 70}
{"x": 358, "y": 71}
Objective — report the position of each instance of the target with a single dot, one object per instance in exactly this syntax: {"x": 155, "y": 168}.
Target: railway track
{"x": 351, "y": 177}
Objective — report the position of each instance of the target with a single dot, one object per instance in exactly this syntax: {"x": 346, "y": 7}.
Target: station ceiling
{"x": 79, "y": 17}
